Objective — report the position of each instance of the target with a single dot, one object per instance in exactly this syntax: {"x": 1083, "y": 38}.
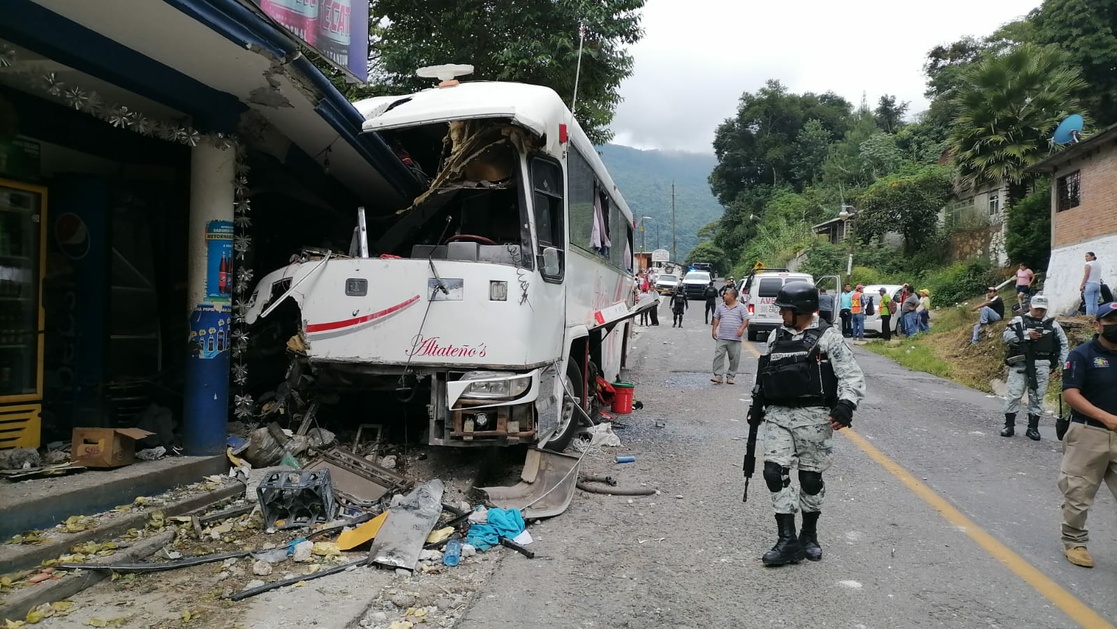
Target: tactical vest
{"x": 798, "y": 373}
{"x": 1044, "y": 348}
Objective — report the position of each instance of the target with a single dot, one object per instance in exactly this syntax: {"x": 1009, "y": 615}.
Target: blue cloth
{"x": 859, "y": 326}
{"x": 502, "y": 523}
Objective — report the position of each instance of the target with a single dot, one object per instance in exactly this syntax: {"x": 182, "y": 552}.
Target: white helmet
{"x": 1040, "y": 302}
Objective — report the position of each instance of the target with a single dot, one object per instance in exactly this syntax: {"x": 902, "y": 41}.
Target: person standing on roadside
{"x": 1090, "y": 447}
{"x": 809, "y": 384}
{"x": 846, "y": 310}
{"x": 1035, "y": 337}
{"x": 1091, "y": 284}
{"x": 730, "y": 321}
{"x": 885, "y": 315}
{"x": 710, "y": 294}
{"x": 857, "y": 312}
{"x": 679, "y": 304}
{"x": 1024, "y": 278}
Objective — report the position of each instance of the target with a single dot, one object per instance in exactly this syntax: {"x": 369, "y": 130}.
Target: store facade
{"x": 153, "y": 155}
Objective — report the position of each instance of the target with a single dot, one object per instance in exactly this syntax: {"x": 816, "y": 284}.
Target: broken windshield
{"x": 474, "y": 208}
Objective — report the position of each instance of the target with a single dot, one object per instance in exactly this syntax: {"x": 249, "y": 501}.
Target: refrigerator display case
{"x": 22, "y": 260}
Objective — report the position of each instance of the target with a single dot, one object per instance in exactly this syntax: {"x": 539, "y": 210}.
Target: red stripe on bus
{"x": 311, "y": 328}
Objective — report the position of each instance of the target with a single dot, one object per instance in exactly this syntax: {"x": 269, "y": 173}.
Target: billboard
{"x": 661, "y": 255}
{"x": 337, "y": 29}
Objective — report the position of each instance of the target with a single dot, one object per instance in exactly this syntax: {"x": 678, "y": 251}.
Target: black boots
{"x": 808, "y": 536}
{"x": 1033, "y": 428}
{"x": 1010, "y": 425}
{"x": 787, "y": 549}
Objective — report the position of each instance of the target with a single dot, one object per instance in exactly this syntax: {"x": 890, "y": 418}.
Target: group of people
{"x": 912, "y": 306}
{"x": 809, "y": 384}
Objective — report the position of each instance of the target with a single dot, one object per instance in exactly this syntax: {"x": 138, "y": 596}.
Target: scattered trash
{"x": 152, "y": 454}
{"x": 453, "y": 555}
{"x": 599, "y": 435}
{"x": 612, "y": 490}
{"x": 626, "y": 459}
{"x": 362, "y": 534}
{"x": 20, "y": 459}
{"x": 356, "y": 482}
{"x": 105, "y": 447}
{"x": 440, "y": 535}
{"x": 530, "y": 554}
{"x": 479, "y": 516}
{"x": 502, "y": 523}
{"x": 298, "y": 498}
{"x": 261, "y": 568}
{"x": 412, "y": 517}
{"x": 302, "y": 551}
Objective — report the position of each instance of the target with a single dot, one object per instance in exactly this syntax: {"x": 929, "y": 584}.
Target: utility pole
{"x": 674, "y": 242}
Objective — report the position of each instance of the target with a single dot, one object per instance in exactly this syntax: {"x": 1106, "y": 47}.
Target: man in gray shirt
{"x": 730, "y": 320}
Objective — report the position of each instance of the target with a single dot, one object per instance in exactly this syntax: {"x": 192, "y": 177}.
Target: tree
{"x": 1009, "y": 104}
{"x": 811, "y": 147}
{"x": 530, "y": 42}
{"x": 1087, "y": 31}
{"x": 879, "y": 156}
{"x": 1028, "y": 228}
{"x": 709, "y": 252}
{"x": 889, "y": 115}
{"x": 907, "y": 202}
{"x": 759, "y": 145}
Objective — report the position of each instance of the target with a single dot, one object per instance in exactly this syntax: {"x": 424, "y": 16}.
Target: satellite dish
{"x": 1068, "y": 130}
{"x": 445, "y": 72}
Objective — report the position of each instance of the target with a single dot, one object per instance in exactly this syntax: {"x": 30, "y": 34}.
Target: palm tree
{"x": 1010, "y": 103}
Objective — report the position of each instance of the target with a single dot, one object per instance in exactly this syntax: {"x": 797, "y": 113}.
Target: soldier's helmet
{"x": 798, "y": 296}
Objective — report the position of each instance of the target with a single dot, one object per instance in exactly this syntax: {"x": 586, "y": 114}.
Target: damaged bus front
{"x": 465, "y": 299}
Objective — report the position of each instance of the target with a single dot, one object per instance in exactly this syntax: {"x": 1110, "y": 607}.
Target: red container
{"x": 622, "y": 397}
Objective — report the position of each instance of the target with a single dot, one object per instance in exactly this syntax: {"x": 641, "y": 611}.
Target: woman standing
{"x": 1091, "y": 284}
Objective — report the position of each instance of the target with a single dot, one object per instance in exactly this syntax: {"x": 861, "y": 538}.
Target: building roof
{"x": 1078, "y": 149}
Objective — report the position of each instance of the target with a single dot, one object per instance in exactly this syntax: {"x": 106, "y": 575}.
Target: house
{"x": 975, "y": 218}
{"x": 835, "y": 229}
{"x": 1083, "y": 215}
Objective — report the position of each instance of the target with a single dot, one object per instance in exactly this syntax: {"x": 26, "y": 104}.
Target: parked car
{"x": 758, "y": 293}
{"x": 666, "y": 283}
{"x": 695, "y": 282}
{"x": 872, "y": 322}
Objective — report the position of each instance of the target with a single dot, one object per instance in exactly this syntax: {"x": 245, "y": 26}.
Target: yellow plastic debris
{"x": 62, "y": 606}
{"x": 351, "y": 539}
{"x": 401, "y": 624}
{"x": 313, "y": 568}
{"x": 325, "y": 549}
{"x": 299, "y": 584}
{"x": 13, "y": 624}
{"x": 440, "y": 534}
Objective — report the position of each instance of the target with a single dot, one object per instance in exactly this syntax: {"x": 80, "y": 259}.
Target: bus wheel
{"x": 570, "y": 418}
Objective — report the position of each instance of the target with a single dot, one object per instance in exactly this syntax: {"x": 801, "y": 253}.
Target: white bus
{"x": 499, "y": 292}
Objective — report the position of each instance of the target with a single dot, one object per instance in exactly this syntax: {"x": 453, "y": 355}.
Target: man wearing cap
{"x": 1090, "y": 450}
{"x": 1037, "y": 338}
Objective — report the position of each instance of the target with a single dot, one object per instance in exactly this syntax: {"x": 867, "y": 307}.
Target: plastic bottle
{"x": 452, "y": 554}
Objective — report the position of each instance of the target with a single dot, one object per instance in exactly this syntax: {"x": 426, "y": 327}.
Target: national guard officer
{"x": 808, "y": 385}
{"x": 1090, "y": 447}
{"x": 1036, "y": 346}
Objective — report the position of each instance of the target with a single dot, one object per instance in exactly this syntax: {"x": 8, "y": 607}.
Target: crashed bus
{"x": 499, "y": 294}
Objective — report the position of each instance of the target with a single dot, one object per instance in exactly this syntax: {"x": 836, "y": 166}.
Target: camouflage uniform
{"x": 1017, "y": 374}
{"x": 804, "y": 435}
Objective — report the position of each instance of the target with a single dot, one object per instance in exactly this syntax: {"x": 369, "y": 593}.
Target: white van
{"x": 758, "y": 293}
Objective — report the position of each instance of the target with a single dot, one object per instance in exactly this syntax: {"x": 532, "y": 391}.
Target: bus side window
{"x": 547, "y": 197}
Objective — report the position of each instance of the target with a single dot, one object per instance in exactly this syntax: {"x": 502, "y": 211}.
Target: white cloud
{"x": 698, "y": 56}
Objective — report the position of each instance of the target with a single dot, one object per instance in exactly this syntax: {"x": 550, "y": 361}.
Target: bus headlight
{"x": 494, "y": 386}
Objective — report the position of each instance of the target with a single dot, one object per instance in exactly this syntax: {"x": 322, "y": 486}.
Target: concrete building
{"x": 1083, "y": 215}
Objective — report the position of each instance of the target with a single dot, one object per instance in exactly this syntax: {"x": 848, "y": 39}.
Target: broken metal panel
{"x": 297, "y": 498}
{"x": 356, "y": 480}
{"x": 547, "y": 485}
{"x": 410, "y": 520}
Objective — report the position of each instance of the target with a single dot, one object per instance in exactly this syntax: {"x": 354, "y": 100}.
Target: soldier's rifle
{"x": 755, "y": 417}
{"x": 1028, "y": 349}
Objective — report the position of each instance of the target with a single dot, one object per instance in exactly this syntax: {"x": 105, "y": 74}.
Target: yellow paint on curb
{"x": 1078, "y": 611}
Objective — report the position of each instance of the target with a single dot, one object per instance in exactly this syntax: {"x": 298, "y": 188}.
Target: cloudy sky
{"x": 698, "y": 56}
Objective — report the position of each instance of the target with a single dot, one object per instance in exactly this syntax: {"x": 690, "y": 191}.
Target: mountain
{"x": 644, "y": 179}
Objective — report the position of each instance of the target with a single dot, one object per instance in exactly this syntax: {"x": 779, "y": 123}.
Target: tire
{"x": 753, "y": 335}
{"x": 569, "y": 419}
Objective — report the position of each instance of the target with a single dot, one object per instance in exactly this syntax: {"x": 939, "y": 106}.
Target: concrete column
{"x": 209, "y": 265}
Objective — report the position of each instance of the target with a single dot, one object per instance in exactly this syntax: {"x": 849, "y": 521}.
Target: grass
{"x": 913, "y": 354}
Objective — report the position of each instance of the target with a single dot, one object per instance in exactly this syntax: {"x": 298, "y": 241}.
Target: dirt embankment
{"x": 981, "y": 365}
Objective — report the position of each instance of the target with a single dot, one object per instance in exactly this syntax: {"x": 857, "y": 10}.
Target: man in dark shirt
{"x": 992, "y": 310}
{"x": 1090, "y": 447}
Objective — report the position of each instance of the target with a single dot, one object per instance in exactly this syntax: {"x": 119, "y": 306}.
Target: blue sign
{"x": 209, "y": 330}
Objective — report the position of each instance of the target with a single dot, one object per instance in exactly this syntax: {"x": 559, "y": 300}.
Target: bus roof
{"x": 536, "y": 108}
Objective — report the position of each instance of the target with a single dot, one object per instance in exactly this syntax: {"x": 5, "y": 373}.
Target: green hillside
{"x": 644, "y": 179}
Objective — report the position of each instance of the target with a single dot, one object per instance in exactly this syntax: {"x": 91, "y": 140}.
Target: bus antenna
{"x": 578, "y": 71}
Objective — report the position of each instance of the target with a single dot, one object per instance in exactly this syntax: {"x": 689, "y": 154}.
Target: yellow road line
{"x": 1078, "y": 611}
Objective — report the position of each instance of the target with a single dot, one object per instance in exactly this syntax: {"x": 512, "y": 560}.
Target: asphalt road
{"x": 931, "y": 520}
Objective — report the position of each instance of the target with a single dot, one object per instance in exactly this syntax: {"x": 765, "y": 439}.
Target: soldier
{"x": 679, "y": 304}
{"x": 1039, "y": 340}
{"x": 805, "y": 405}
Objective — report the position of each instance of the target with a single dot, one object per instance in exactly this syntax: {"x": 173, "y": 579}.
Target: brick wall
{"x": 1096, "y": 216}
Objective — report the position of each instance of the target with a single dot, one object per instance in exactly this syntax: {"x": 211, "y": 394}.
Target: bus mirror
{"x": 552, "y": 265}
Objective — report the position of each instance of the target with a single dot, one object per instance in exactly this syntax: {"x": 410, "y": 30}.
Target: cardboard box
{"x": 105, "y": 447}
